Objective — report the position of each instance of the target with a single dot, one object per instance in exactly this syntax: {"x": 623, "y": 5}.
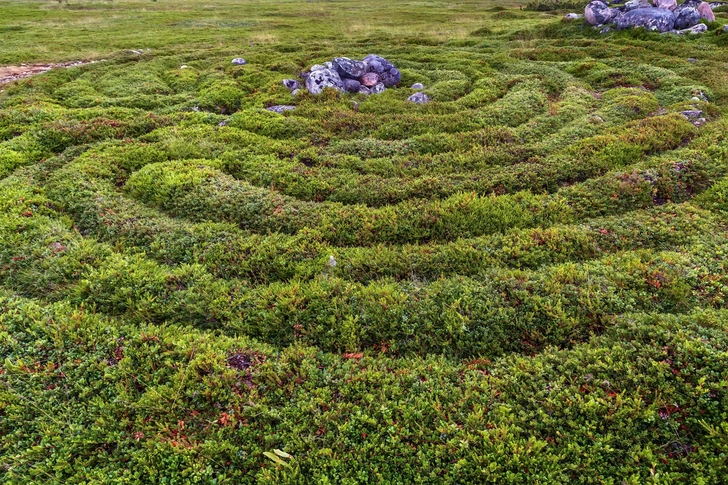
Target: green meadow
{"x": 522, "y": 281}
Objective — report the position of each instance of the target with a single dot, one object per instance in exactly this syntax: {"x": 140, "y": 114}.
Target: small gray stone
{"x": 658, "y": 19}
{"x": 349, "y": 69}
{"x": 686, "y": 17}
{"x": 725, "y": 28}
{"x": 605, "y": 30}
{"x": 365, "y": 91}
{"x": 631, "y": 5}
{"x": 291, "y": 84}
{"x": 329, "y": 65}
{"x": 379, "y": 88}
{"x": 692, "y": 113}
{"x": 419, "y": 98}
{"x": 692, "y": 59}
{"x": 572, "y": 16}
{"x": 281, "y": 108}
{"x": 319, "y": 80}
{"x": 295, "y": 92}
{"x": 239, "y": 61}
{"x": 417, "y": 86}
{"x": 351, "y": 85}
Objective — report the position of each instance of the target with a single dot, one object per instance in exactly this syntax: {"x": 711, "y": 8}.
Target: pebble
{"x": 419, "y": 98}
{"x": 281, "y": 108}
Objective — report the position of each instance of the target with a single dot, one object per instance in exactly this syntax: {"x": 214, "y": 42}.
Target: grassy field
{"x": 531, "y": 278}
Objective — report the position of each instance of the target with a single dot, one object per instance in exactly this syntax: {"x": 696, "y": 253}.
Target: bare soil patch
{"x": 9, "y": 74}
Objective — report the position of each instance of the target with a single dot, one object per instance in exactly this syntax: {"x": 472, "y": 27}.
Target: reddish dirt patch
{"x": 9, "y": 74}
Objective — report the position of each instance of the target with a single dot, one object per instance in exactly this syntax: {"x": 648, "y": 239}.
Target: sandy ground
{"x": 13, "y": 73}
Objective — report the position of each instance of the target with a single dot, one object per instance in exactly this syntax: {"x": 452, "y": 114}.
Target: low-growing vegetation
{"x": 524, "y": 280}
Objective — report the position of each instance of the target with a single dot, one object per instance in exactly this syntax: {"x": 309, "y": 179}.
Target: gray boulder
{"x": 349, "y": 69}
{"x": 351, "y": 85}
{"x": 686, "y": 17}
{"x": 319, "y": 80}
{"x": 656, "y": 19}
{"x": 419, "y": 98}
{"x": 391, "y": 78}
{"x": 597, "y": 13}
{"x": 377, "y": 64}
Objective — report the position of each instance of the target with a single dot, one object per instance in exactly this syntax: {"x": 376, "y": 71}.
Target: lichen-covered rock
{"x": 348, "y": 68}
{"x": 351, "y": 85}
{"x": 686, "y": 17}
{"x": 666, "y": 4}
{"x": 706, "y": 13}
{"x": 597, "y": 13}
{"x": 391, "y": 78}
{"x": 318, "y": 67}
{"x": 377, "y": 64}
{"x": 656, "y": 19}
{"x": 291, "y": 84}
{"x": 419, "y": 98}
{"x": 694, "y": 30}
{"x": 370, "y": 79}
{"x": 319, "y": 80}
{"x": 379, "y": 88}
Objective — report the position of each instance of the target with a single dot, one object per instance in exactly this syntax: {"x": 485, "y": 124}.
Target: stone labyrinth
{"x": 352, "y": 225}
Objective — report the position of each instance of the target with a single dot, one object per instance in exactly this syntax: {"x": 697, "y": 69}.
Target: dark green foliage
{"x": 523, "y": 281}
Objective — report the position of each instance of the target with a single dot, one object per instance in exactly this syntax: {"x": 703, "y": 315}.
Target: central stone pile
{"x": 371, "y": 75}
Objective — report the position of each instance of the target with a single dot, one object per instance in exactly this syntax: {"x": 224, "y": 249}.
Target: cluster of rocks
{"x": 662, "y": 16}
{"x": 371, "y": 75}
